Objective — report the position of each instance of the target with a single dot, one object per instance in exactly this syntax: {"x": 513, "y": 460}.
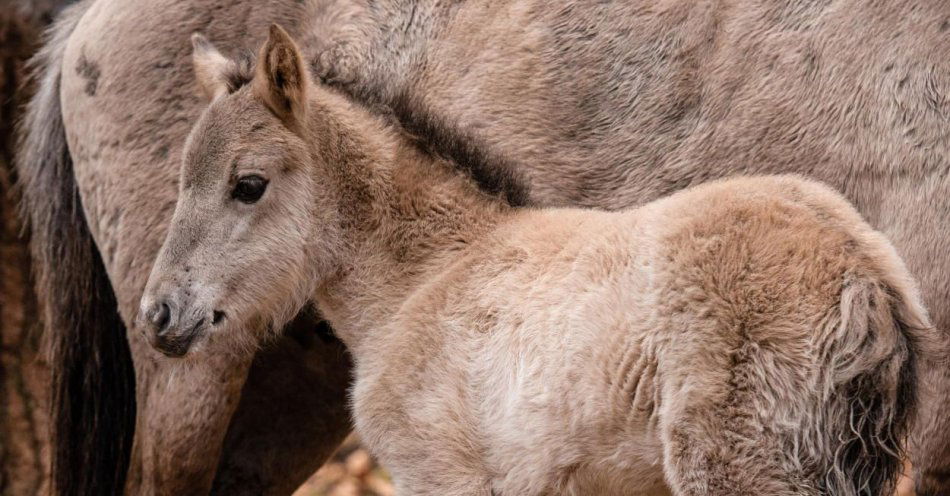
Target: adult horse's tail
{"x": 93, "y": 391}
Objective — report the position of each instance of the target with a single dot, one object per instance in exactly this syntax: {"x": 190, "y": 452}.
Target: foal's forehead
{"x": 229, "y": 128}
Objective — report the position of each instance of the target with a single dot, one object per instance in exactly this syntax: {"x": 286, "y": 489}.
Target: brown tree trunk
{"x": 24, "y": 373}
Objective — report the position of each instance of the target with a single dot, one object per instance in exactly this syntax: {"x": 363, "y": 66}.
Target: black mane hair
{"x": 240, "y": 71}
{"x": 435, "y": 135}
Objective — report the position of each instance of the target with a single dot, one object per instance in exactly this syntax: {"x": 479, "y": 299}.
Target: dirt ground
{"x": 351, "y": 472}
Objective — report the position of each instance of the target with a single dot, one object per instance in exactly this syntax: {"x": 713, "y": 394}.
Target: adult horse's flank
{"x": 750, "y": 336}
{"x": 601, "y": 104}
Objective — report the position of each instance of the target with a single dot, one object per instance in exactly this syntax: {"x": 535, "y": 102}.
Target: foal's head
{"x": 251, "y": 223}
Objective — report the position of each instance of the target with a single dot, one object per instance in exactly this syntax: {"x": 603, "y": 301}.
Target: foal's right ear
{"x": 281, "y": 79}
{"x": 210, "y": 67}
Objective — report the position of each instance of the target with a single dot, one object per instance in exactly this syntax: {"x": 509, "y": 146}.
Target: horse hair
{"x": 433, "y": 134}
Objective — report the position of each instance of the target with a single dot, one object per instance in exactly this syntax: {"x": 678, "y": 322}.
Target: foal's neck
{"x": 404, "y": 214}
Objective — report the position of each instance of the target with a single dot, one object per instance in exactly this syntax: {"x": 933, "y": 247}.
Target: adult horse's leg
{"x": 118, "y": 89}
{"x": 290, "y": 406}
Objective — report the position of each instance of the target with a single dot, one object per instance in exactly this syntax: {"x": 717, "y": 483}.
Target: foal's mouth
{"x": 178, "y": 345}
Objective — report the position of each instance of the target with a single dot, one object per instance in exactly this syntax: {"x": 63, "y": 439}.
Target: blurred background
{"x": 351, "y": 472}
{"x": 23, "y": 373}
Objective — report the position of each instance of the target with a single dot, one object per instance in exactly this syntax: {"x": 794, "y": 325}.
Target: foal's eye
{"x": 249, "y": 189}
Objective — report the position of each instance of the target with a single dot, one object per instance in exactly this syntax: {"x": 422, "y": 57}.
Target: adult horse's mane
{"x": 432, "y": 133}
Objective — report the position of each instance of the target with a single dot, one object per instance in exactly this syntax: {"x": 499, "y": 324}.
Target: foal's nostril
{"x": 217, "y": 317}
{"x": 162, "y": 317}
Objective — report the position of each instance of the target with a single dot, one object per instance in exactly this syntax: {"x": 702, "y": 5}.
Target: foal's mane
{"x": 432, "y": 133}
{"x": 240, "y": 71}
{"x": 435, "y": 135}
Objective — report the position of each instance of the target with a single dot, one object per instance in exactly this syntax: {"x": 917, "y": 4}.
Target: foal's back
{"x": 751, "y": 336}
{"x": 789, "y": 332}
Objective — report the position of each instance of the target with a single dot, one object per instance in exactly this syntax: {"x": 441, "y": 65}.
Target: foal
{"x": 751, "y": 336}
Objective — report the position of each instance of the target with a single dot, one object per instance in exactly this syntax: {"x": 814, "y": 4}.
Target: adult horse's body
{"x": 607, "y": 105}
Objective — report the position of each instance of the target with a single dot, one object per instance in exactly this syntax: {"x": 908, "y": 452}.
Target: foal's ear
{"x": 281, "y": 79}
{"x": 210, "y": 67}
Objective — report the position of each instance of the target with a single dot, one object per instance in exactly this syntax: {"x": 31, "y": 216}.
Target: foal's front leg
{"x": 428, "y": 449}
{"x": 437, "y": 466}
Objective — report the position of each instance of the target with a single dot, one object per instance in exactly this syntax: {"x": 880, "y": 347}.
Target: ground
{"x": 351, "y": 472}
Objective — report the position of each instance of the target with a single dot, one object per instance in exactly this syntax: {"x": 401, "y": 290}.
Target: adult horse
{"x": 610, "y": 104}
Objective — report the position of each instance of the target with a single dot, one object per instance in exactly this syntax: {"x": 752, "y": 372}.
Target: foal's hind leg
{"x": 715, "y": 442}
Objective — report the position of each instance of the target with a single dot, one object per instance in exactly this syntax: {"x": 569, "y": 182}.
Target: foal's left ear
{"x": 210, "y": 67}
{"x": 282, "y": 78}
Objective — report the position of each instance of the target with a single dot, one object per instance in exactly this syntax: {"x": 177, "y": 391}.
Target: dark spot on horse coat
{"x": 811, "y": 62}
{"x": 161, "y": 153}
{"x": 88, "y": 70}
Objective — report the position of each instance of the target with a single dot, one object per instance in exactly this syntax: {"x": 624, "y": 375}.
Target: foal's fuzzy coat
{"x": 751, "y": 336}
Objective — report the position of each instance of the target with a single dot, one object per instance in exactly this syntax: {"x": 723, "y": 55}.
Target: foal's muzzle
{"x": 171, "y": 328}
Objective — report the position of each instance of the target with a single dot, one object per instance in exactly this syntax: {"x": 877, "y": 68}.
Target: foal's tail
{"x": 869, "y": 386}
{"x": 93, "y": 391}
{"x": 836, "y": 423}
